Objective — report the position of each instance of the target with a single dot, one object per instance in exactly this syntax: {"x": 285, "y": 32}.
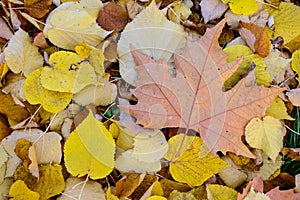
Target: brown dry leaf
{"x": 168, "y": 186}
{"x": 112, "y": 17}
{"x": 37, "y": 8}
{"x": 4, "y": 128}
{"x": 5, "y": 31}
{"x": 194, "y": 98}
{"x": 9, "y": 108}
{"x": 212, "y": 9}
{"x": 256, "y": 37}
{"x": 128, "y": 184}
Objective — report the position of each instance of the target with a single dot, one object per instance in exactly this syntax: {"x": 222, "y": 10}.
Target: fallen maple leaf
{"x": 194, "y": 98}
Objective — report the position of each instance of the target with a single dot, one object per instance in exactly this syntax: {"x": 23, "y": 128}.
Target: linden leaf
{"x": 266, "y": 134}
{"x": 77, "y": 188}
{"x": 69, "y": 24}
{"x": 21, "y": 55}
{"x": 68, "y": 73}
{"x": 220, "y": 192}
{"x": 20, "y": 191}
{"x": 152, "y": 34}
{"x": 35, "y": 93}
{"x": 246, "y": 7}
{"x": 194, "y": 99}
{"x": 90, "y": 149}
{"x": 195, "y": 164}
{"x": 278, "y": 109}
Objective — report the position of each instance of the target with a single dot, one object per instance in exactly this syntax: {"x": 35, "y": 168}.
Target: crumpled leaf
{"x": 50, "y": 183}
{"x": 286, "y": 19}
{"x": 178, "y": 12}
{"x": 278, "y": 109}
{"x": 69, "y": 24}
{"x": 266, "y": 134}
{"x": 21, "y": 55}
{"x": 198, "y": 102}
{"x": 19, "y": 191}
{"x": 90, "y": 149}
{"x": 76, "y": 188}
{"x": 128, "y": 184}
{"x": 212, "y": 9}
{"x": 152, "y": 34}
{"x": 67, "y": 72}
{"x": 220, "y": 192}
{"x": 194, "y": 164}
{"x": 35, "y": 93}
{"x": 245, "y": 7}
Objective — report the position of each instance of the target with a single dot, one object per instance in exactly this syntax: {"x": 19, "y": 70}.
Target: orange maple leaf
{"x": 194, "y": 99}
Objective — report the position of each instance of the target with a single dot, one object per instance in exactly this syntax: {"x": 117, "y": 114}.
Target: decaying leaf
{"x": 194, "y": 98}
{"x": 90, "y": 149}
{"x": 5, "y": 31}
{"x": 151, "y": 33}
{"x": 178, "y": 12}
{"x": 37, "y": 8}
{"x": 193, "y": 163}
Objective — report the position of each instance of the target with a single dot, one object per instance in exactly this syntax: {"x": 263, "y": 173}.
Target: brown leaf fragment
{"x": 283, "y": 180}
{"x": 4, "y": 128}
{"x": 127, "y": 185}
{"x": 112, "y": 17}
{"x": 256, "y": 37}
{"x": 37, "y": 8}
{"x": 40, "y": 41}
{"x": 9, "y": 108}
{"x": 5, "y": 31}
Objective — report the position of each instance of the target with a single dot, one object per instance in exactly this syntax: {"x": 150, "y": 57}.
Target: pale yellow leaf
{"x": 278, "y": 110}
{"x": 192, "y": 162}
{"x": 266, "y": 134}
{"x": 21, "y": 55}
{"x": 14, "y": 85}
{"x": 152, "y": 34}
{"x": 69, "y": 24}
{"x": 220, "y": 192}
{"x": 77, "y": 188}
{"x": 178, "y": 12}
{"x": 4, "y": 188}
{"x": 91, "y": 6}
{"x": 90, "y": 149}
{"x": 252, "y": 195}
{"x": 3, "y": 156}
{"x": 212, "y": 9}
{"x": 294, "y": 96}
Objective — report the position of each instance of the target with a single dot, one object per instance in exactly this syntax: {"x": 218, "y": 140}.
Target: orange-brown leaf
{"x": 256, "y": 37}
{"x": 194, "y": 98}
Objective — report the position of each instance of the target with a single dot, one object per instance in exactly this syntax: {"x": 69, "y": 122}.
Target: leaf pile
{"x": 149, "y": 100}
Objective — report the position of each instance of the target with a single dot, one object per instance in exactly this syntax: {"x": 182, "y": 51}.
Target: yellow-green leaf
{"x": 90, "y": 149}
{"x": 20, "y": 191}
{"x": 278, "y": 110}
{"x": 266, "y": 134}
{"x": 35, "y": 93}
{"x": 296, "y": 61}
{"x": 194, "y": 164}
{"x": 220, "y": 192}
{"x": 242, "y": 7}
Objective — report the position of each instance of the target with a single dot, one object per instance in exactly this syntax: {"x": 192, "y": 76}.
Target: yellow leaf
{"x": 147, "y": 33}
{"x": 114, "y": 130}
{"x": 157, "y": 189}
{"x": 286, "y": 22}
{"x": 110, "y": 196}
{"x": 77, "y": 188}
{"x": 90, "y": 149}
{"x": 67, "y": 73}
{"x": 69, "y": 24}
{"x": 21, "y": 55}
{"x": 21, "y": 150}
{"x": 242, "y": 7}
{"x": 178, "y": 12}
{"x": 83, "y": 50}
{"x": 278, "y": 110}
{"x": 175, "y": 195}
{"x": 20, "y": 191}
{"x": 3, "y": 70}
{"x": 156, "y": 198}
{"x": 220, "y": 192}
{"x": 195, "y": 164}
{"x": 266, "y": 134}
{"x": 35, "y": 93}
{"x": 296, "y": 62}
{"x": 51, "y": 180}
